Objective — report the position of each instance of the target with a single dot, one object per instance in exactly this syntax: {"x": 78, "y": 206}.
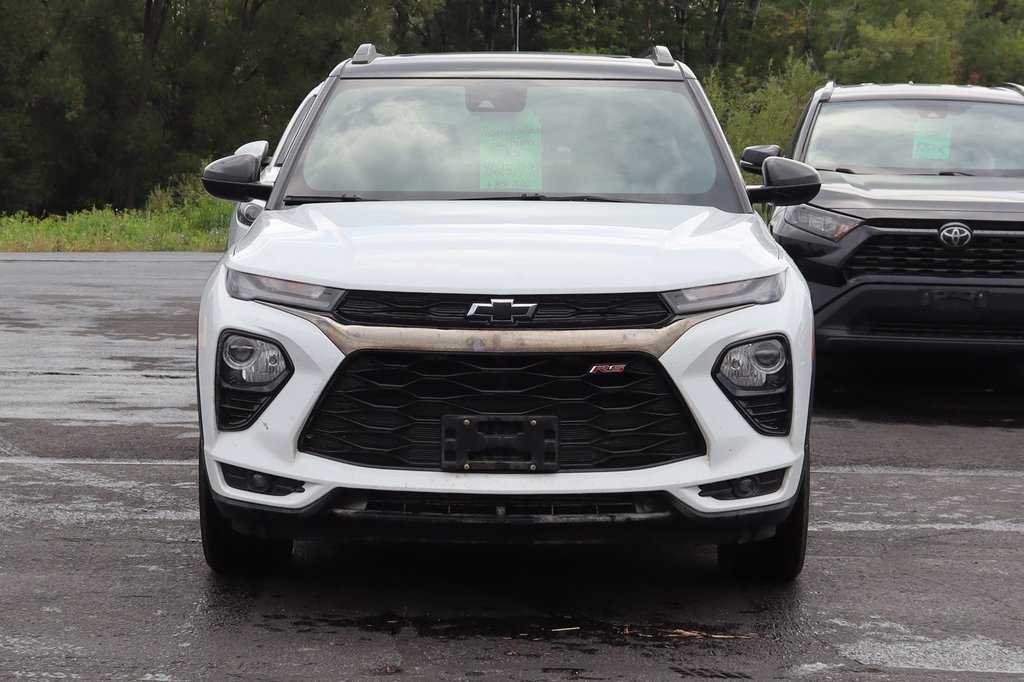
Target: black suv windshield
{"x": 927, "y": 137}
{"x": 393, "y": 139}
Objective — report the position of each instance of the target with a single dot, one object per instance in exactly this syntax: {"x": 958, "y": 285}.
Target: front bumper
{"x": 855, "y": 310}
{"x": 734, "y": 449}
{"x": 923, "y": 314}
{"x": 331, "y": 518}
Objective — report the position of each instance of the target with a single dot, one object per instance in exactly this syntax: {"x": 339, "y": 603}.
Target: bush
{"x": 178, "y": 217}
{"x": 762, "y": 109}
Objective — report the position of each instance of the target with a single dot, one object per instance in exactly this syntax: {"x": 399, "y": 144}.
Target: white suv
{"x": 507, "y": 297}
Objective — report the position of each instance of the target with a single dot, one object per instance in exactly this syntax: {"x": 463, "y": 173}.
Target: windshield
{"x": 929, "y": 137}
{"x": 511, "y": 139}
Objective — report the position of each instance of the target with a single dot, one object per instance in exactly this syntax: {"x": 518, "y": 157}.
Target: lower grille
{"x": 385, "y": 408}
{"x": 924, "y": 256}
{"x": 947, "y": 330}
{"x": 384, "y": 504}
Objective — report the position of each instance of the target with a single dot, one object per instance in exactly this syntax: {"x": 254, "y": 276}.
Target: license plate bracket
{"x": 499, "y": 443}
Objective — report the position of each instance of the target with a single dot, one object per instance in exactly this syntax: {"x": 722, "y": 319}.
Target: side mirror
{"x": 786, "y": 183}
{"x": 260, "y": 149}
{"x": 236, "y": 178}
{"x": 753, "y": 158}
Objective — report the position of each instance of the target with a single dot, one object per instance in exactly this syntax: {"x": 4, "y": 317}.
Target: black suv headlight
{"x": 823, "y": 223}
{"x": 251, "y": 370}
{"x": 757, "y": 378}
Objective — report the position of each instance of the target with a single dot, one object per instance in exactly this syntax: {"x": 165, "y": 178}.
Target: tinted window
{"x": 919, "y": 136}
{"x": 440, "y": 139}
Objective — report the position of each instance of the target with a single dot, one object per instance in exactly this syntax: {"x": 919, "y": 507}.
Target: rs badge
{"x": 607, "y": 369}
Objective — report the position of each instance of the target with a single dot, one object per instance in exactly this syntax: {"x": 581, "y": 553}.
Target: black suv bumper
{"x": 922, "y": 313}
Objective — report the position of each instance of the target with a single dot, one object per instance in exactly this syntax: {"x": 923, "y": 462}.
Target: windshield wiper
{"x": 955, "y": 173}
{"x": 839, "y": 169}
{"x": 296, "y": 200}
{"x": 533, "y": 196}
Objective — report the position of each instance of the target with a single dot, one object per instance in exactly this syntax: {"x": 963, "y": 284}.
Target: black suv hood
{"x": 873, "y": 196}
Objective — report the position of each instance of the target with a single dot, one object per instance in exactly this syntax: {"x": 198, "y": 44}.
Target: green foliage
{"x": 762, "y": 109}
{"x": 178, "y": 217}
{"x": 101, "y": 101}
{"x": 922, "y": 48}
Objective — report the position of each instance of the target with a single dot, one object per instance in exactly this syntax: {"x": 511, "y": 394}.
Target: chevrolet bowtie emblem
{"x": 501, "y": 311}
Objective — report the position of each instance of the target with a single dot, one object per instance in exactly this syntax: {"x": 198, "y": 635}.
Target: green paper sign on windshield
{"x": 932, "y": 140}
{"x": 510, "y": 152}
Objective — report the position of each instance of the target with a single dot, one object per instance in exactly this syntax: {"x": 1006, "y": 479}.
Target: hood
{"x": 928, "y": 196}
{"x": 492, "y": 247}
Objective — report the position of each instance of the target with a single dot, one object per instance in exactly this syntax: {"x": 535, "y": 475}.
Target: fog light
{"x": 745, "y": 487}
{"x": 256, "y": 482}
{"x": 259, "y": 483}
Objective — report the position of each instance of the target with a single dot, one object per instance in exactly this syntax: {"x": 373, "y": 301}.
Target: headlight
{"x": 745, "y": 292}
{"x": 754, "y": 365}
{"x": 255, "y": 360}
{"x": 250, "y": 371}
{"x": 247, "y": 212}
{"x": 756, "y": 376}
{"x": 259, "y": 288}
{"x": 826, "y": 224}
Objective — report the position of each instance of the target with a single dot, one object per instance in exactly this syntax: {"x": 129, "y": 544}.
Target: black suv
{"x": 917, "y": 236}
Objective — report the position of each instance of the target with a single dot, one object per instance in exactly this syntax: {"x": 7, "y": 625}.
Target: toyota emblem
{"x": 955, "y": 235}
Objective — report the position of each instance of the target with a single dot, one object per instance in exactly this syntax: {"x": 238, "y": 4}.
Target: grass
{"x": 180, "y": 217}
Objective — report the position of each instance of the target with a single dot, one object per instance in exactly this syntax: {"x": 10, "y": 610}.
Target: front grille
{"x": 448, "y": 311}
{"x": 385, "y": 408}
{"x": 924, "y": 255}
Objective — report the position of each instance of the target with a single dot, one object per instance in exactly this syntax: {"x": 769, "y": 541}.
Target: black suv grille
{"x": 923, "y": 255}
{"x": 384, "y": 408}
{"x": 448, "y": 311}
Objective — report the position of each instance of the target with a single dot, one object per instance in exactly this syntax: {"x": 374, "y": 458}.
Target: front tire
{"x": 229, "y": 552}
{"x": 780, "y": 558}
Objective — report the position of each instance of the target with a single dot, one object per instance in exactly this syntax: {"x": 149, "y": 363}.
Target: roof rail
{"x": 366, "y": 53}
{"x": 829, "y": 89}
{"x": 660, "y": 55}
{"x": 1018, "y": 88}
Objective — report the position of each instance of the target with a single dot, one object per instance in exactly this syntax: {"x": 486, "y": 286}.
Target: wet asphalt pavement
{"x": 914, "y": 569}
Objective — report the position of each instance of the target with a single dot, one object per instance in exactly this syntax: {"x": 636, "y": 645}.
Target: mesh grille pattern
{"x": 384, "y": 408}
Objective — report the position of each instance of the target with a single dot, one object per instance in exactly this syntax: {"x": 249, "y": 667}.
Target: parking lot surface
{"x": 914, "y": 568}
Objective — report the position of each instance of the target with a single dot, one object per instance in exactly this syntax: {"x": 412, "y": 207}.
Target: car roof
{"x": 1011, "y": 94}
{"x": 660, "y": 66}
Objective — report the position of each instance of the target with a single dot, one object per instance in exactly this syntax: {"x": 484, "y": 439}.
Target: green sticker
{"x": 510, "y": 151}
{"x": 932, "y": 140}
